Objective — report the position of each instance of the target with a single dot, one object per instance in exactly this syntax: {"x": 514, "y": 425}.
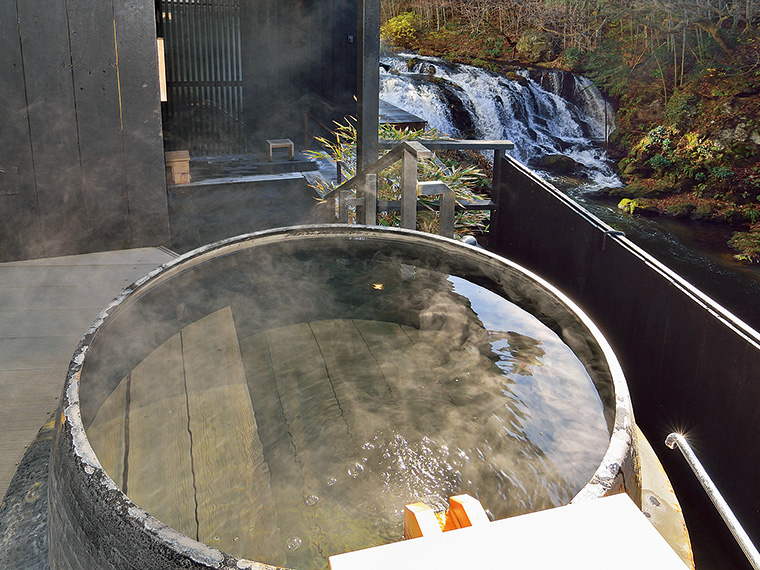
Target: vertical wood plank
{"x": 285, "y": 473}
{"x": 141, "y": 116}
{"x": 59, "y": 202}
{"x": 364, "y": 394}
{"x": 99, "y": 121}
{"x": 317, "y": 429}
{"x": 408, "y": 190}
{"x": 18, "y": 194}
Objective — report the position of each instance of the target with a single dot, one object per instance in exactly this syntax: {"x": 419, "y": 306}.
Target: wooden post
{"x": 446, "y": 204}
{"x": 408, "y": 190}
{"x": 446, "y": 214}
{"x": 368, "y": 191}
{"x": 368, "y": 103}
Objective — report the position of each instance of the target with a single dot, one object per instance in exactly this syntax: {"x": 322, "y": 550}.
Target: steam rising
{"x": 338, "y": 400}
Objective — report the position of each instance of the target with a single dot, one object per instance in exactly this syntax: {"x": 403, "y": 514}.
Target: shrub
{"x": 747, "y": 244}
{"x": 463, "y": 179}
{"x": 402, "y": 30}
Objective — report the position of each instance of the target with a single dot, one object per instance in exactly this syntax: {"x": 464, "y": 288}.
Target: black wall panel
{"x": 96, "y": 88}
{"x": 80, "y": 144}
{"x": 689, "y": 367}
{"x": 18, "y": 199}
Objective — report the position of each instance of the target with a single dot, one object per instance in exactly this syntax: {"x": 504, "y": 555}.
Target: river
{"x": 547, "y": 112}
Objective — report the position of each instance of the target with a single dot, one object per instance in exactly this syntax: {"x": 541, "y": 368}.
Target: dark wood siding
{"x": 81, "y": 128}
{"x": 299, "y": 56}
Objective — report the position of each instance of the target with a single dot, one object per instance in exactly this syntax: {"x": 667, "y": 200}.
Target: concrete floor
{"x": 46, "y": 305}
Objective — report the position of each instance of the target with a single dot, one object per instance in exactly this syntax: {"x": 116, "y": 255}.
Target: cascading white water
{"x": 544, "y": 113}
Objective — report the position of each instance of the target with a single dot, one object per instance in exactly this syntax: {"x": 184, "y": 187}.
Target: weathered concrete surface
{"x": 23, "y": 512}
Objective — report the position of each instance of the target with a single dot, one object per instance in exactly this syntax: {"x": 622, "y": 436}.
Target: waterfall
{"x": 546, "y": 113}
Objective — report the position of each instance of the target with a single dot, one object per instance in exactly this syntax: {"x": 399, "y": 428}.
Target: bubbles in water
{"x": 355, "y": 470}
{"x": 293, "y": 543}
{"x": 310, "y": 500}
{"x": 331, "y": 481}
{"x": 368, "y": 446}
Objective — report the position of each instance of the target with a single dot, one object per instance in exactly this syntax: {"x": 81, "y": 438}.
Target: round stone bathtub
{"x": 280, "y": 396}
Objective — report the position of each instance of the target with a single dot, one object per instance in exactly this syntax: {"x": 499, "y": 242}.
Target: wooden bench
{"x": 280, "y": 143}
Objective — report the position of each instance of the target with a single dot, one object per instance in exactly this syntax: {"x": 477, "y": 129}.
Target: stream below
{"x": 555, "y": 113}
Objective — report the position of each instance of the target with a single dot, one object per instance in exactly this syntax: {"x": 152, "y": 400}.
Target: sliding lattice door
{"x": 202, "y": 42}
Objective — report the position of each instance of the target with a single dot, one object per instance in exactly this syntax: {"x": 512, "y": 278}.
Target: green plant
{"x": 461, "y": 178}
{"x": 721, "y": 172}
{"x": 493, "y": 46}
{"x": 660, "y": 162}
{"x": 747, "y": 244}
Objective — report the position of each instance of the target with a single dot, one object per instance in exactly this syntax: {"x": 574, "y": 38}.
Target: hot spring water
{"x": 282, "y": 399}
{"x": 424, "y": 385}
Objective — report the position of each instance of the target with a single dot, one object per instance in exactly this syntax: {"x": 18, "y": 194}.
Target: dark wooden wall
{"x": 299, "y": 56}
{"x": 690, "y": 366}
{"x": 81, "y": 153}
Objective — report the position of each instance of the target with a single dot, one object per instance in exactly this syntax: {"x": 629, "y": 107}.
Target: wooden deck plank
{"x": 149, "y": 257}
{"x": 44, "y": 352}
{"x": 348, "y": 357}
{"x": 284, "y": 472}
{"x": 31, "y": 323}
{"x": 45, "y": 307}
{"x": 305, "y": 389}
{"x": 224, "y": 433}
{"x": 335, "y": 384}
{"x": 319, "y": 434}
{"x": 160, "y": 475}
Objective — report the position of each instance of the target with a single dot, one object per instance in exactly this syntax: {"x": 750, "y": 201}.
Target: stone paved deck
{"x": 45, "y": 307}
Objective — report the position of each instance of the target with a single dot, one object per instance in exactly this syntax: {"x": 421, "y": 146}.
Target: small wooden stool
{"x": 280, "y": 143}
{"x": 177, "y": 167}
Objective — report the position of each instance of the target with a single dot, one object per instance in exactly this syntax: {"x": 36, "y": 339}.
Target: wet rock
{"x": 558, "y": 164}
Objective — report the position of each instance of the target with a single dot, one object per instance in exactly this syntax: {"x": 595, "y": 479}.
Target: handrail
{"x": 413, "y": 147}
{"x": 409, "y": 152}
{"x": 438, "y": 144}
{"x": 677, "y": 440}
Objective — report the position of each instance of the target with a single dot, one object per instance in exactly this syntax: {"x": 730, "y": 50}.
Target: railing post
{"x": 368, "y": 193}
{"x": 446, "y": 204}
{"x": 446, "y": 214}
{"x": 343, "y": 206}
{"x": 497, "y": 189}
{"x": 408, "y": 190}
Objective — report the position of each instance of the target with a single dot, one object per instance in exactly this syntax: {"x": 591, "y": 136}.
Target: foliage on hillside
{"x": 684, "y": 75}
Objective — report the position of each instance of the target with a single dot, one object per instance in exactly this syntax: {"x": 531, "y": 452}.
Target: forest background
{"x": 683, "y": 75}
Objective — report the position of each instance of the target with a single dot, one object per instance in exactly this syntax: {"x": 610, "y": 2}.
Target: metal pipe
{"x": 677, "y": 440}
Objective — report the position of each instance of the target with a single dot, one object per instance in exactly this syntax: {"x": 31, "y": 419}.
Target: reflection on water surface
{"x": 289, "y": 433}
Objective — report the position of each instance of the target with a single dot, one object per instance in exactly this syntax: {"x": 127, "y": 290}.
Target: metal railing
{"x": 409, "y": 153}
{"x": 677, "y": 440}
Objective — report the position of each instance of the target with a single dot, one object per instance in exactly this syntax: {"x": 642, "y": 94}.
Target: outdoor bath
{"x": 280, "y": 397}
